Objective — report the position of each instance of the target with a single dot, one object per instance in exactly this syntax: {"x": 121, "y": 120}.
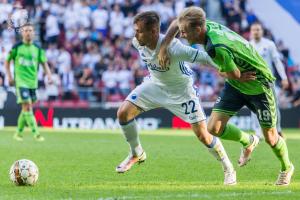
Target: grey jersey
{"x": 267, "y": 49}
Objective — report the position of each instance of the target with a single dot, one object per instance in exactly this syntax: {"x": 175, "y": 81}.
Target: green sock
{"x": 231, "y": 132}
{"x": 21, "y": 124}
{"x": 282, "y": 153}
{"x": 30, "y": 120}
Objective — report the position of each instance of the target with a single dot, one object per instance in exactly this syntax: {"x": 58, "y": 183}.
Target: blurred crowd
{"x": 88, "y": 45}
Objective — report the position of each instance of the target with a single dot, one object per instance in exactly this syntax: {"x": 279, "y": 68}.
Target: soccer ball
{"x": 24, "y": 172}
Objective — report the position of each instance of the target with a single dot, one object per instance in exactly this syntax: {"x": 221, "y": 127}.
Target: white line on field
{"x": 197, "y": 195}
{"x": 158, "y": 132}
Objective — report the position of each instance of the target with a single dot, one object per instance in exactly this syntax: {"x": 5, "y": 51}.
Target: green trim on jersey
{"x": 27, "y": 58}
{"x": 272, "y": 109}
{"x": 230, "y": 51}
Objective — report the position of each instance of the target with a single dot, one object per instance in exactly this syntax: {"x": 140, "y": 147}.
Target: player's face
{"x": 28, "y": 33}
{"x": 256, "y": 32}
{"x": 143, "y": 35}
{"x": 190, "y": 34}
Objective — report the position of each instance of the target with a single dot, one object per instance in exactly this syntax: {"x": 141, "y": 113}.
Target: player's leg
{"x": 256, "y": 126}
{"x": 278, "y": 124}
{"x": 267, "y": 116}
{"x": 126, "y": 116}
{"x": 31, "y": 121}
{"x": 21, "y": 98}
{"x": 218, "y": 126}
{"x": 216, "y": 148}
{"x": 21, "y": 125}
{"x": 191, "y": 111}
{"x": 280, "y": 149}
{"x": 138, "y": 100}
{"x": 29, "y": 116}
{"x": 228, "y": 104}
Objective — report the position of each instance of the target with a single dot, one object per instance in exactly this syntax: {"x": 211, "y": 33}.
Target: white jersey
{"x": 178, "y": 74}
{"x": 267, "y": 49}
{"x": 171, "y": 88}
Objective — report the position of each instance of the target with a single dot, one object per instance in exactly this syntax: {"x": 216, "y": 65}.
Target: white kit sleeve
{"x": 277, "y": 62}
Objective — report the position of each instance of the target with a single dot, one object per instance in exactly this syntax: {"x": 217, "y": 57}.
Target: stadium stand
{"x": 88, "y": 45}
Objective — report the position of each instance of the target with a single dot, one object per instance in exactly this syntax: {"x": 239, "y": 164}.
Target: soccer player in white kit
{"x": 267, "y": 49}
{"x": 170, "y": 88}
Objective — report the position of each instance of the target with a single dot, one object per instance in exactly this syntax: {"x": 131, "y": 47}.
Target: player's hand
{"x": 11, "y": 82}
{"x": 163, "y": 57}
{"x": 285, "y": 84}
{"x": 247, "y": 76}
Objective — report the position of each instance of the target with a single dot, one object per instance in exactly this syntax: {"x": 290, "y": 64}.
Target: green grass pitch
{"x": 81, "y": 165}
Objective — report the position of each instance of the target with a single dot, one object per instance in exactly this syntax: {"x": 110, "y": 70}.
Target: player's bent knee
{"x": 270, "y": 136}
{"x": 214, "y": 129}
{"x": 122, "y": 114}
{"x": 271, "y": 140}
{"x": 126, "y": 112}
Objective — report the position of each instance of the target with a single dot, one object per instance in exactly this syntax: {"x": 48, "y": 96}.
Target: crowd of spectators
{"x": 88, "y": 44}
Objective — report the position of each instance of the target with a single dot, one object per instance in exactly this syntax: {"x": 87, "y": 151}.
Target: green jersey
{"x": 230, "y": 51}
{"x": 26, "y": 59}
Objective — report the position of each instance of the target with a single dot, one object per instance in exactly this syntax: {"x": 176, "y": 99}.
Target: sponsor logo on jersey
{"x": 155, "y": 67}
{"x": 26, "y": 62}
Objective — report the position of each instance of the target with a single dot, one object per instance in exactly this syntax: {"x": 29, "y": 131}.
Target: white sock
{"x": 130, "y": 132}
{"x": 217, "y": 150}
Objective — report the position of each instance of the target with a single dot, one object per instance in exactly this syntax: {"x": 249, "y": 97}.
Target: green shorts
{"x": 263, "y": 105}
{"x": 25, "y": 95}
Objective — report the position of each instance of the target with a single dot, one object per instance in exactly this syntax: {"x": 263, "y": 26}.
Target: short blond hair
{"x": 195, "y": 16}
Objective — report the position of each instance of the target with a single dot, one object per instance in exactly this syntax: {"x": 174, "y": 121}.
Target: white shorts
{"x": 184, "y": 104}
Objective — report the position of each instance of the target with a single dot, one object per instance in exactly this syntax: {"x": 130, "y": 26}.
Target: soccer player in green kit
{"x": 26, "y": 57}
{"x": 249, "y": 82}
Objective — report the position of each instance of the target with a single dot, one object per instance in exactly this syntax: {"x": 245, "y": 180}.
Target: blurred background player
{"x": 268, "y": 51}
{"x": 26, "y": 57}
{"x": 171, "y": 88}
{"x": 235, "y": 58}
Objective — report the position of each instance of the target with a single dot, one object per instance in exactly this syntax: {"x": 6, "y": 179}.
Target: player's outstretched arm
{"x": 163, "y": 55}
{"x": 8, "y": 73}
{"x": 279, "y": 66}
{"x": 244, "y": 76}
{"x": 47, "y": 72}
{"x": 182, "y": 52}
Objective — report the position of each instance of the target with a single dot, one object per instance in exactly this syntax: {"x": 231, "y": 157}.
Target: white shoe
{"x": 230, "y": 177}
{"x": 130, "y": 161}
{"x": 18, "y": 137}
{"x": 39, "y": 138}
{"x": 284, "y": 178}
{"x": 246, "y": 152}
